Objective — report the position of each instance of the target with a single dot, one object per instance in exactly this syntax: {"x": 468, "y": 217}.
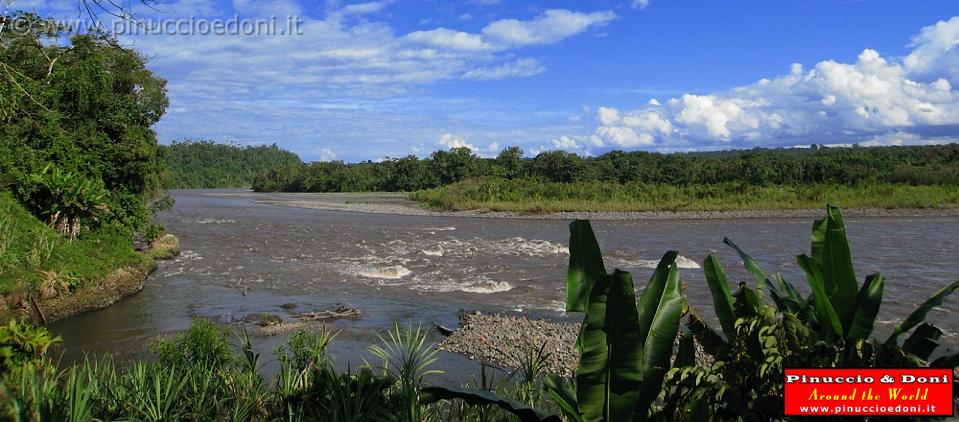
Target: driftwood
{"x": 341, "y": 311}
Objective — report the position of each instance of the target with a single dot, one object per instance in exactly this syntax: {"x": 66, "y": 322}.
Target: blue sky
{"x": 366, "y": 80}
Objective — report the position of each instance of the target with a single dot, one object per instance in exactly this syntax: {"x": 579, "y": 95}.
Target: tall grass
{"x": 534, "y": 196}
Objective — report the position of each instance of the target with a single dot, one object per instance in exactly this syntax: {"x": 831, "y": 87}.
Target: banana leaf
{"x": 825, "y": 313}
{"x": 923, "y": 341}
{"x": 786, "y": 297}
{"x": 609, "y": 377}
{"x": 585, "y": 265}
{"x": 564, "y": 395}
{"x": 483, "y": 397}
{"x": 748, "y": 304}
{"x": 625, "y": 349}
{"x": 830, "y": 249}
{"x": 660, "y": 309}
{"x": 919, "y": 315}
{"x": 722, "y": 298}
{"x": 863, "y": 318}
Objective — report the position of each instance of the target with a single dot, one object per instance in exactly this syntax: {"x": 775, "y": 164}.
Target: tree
{"x": 454, "y": 165}
{"x": 509, "y": 163}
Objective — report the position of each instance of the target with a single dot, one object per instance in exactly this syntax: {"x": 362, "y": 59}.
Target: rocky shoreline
{"x": 504, "y": 340}
{"x": 94, "y": 295}
{"x": 375, "y": 204}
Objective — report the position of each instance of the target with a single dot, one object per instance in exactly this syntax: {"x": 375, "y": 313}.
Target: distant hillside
{"x": 206, "y": 164}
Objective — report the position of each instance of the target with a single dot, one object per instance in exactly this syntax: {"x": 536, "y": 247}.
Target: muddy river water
{"x": 244, "y": 254}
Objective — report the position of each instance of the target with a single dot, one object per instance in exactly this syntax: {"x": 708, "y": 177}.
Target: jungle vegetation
{"x": 205, "y": 164}
{"x": 80, "y": 168}
{"x": 874, "y": 177}
{"x": 907, "y": 165}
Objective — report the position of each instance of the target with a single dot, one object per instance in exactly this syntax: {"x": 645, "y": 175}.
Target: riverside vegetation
{"x": 875, "y": 177}
{"x": 628, "y": 367}
{"x": 81, "y": 172}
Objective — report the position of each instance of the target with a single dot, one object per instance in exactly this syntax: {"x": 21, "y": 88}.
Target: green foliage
{"x": 75, "y": 126}
{"x": 205, "y": 164}
{"x": 65, "y": 199}
{"x": 35, "y": 254}
{"x": 306, "y": 349}
{"x": 831, "y": 328}
{"x": 23, "y": 344}
{"x": 794, "y": 177}
{"x": 526, "y": 195}
{"x": 407, "y": 357}
{"x": 204, "y": 344}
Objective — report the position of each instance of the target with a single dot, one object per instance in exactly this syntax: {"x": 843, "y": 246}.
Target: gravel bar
{"x": 397, "y": 205}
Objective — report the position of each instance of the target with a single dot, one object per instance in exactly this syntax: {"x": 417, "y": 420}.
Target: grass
{"x": 537, "y": 197}
{"x": 31, "y": 253}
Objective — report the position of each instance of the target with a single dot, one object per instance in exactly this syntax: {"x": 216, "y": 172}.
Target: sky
{"x": 357, "y": 81}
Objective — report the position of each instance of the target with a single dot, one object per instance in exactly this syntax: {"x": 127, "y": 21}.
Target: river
{"x": 243, "y": 254}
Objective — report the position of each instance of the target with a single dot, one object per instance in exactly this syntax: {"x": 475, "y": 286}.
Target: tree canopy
{"x": 84, "y": 108}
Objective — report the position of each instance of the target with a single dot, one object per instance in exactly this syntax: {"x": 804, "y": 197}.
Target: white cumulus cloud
{"x": 450, "y": 141}
{"x": 832, "y": 101}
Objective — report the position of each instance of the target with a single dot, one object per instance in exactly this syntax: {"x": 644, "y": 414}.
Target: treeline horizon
{"x": 204, "y": 164}
{"x": 912, "y": 165}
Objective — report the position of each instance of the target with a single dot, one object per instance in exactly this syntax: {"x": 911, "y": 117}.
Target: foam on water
{"x": 681, "y": 262}
{"x": 214, "y": 221}
{"x": 394, "y": 272}
{"x": 488, "y": 287}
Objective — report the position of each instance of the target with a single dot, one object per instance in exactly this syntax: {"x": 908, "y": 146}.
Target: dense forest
{"x": 910, "y": 165}
{"x": 80, "y": 168}
{"x": 76, "y": 144}
{"x": 205, "y": 164}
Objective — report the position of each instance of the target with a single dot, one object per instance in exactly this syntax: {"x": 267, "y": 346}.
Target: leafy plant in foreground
{"x": 831, "y": 327}
{"x": 625, "y": 345}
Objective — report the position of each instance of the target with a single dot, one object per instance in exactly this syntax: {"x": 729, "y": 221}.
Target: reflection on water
{"x": 242, "y": 257}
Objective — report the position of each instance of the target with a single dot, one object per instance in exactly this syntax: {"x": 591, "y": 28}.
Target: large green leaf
{"x": 483, "y": 397}
{"x": 919, "y": 315}
{"x": 625, "y": 349}
{"x": 751, "y": 264}
{"x": 860, "y": 322}
{"x": 783, "y": 294}
{"x": 609, "y": 379}
{"x": 564, "y": 395}
{"x": 722, "y": 298}
{"x": 835, "y": 262}
{"x": 923, "y": 341}
{"x": 591, "y": 376}
{"x": 585, "y": 265}
{"x": 825, "y": 312}
{"x": 660, "y": 309}
{"x": 748, "y": 304}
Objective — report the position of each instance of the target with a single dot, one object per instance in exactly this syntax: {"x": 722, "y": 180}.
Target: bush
{"x": 203, "y": 345}
{"x": 23, "y": 344}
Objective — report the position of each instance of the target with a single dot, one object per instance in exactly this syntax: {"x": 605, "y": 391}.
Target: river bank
{"x": 54, "y": 304}
{"x": 398, "y": 204}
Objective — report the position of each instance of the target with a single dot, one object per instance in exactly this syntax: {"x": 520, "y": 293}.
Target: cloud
{"x": 639, "y": 4}
{"x": 550, "y": 27}
{"x": 327, "y": 154}
{"x": 514, "y": 69}
{"x": 450, "y": 141}
{"x": 566, "y": 143}
{"x": 364, "y": 8}
{"x": 451, "y": 39}
{"x": 843, "y": 102}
